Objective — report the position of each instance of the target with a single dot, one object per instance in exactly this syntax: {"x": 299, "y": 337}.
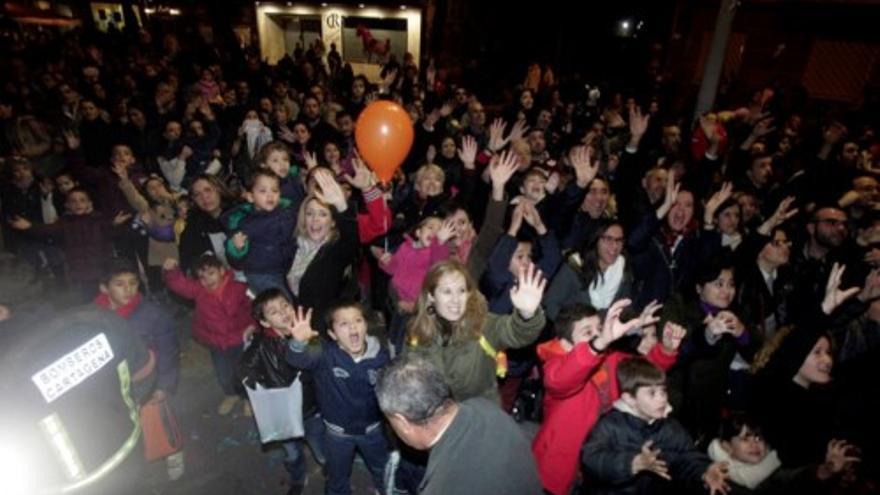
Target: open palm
{"x": 526, "y": 296}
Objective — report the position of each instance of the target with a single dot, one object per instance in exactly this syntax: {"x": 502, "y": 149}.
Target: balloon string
{"x": 385, "y": 222}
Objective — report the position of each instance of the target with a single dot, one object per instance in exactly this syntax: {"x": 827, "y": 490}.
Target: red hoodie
{"x": 579, "y": 387}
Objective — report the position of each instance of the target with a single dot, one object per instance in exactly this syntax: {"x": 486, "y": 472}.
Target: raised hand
{"x": 648, "y": 459}
{"x": 500, "y": 172}
{"x": 533, "y": 217}
{"x": 121, "y": 218}
{"x": 526, "y": 295}
{"x": 612, "y": 327}
{"x": 329, "y": 191}
{"x": 286, "y": 134}
{"x": 311, "y": 160}
{"x": 763, "y": 127}
{"x": 581, "y": 158}
{"x": 239, "y": 240}
{"x": 838, "y": 455}
{"x": 389, "y": 78}
{"x": 638, "y": 125}
{"x": 468, "y": 152}
{"x": 363, "y": 177}
{"x": 871, "y": 289}
{"x": 516, "y": 218}
{"x": 834, "y": 295}
{"x": 120, "y": 170}
{"x": 520, "y": 128}
{"x": 669, "y": 198}
{"x": 673, "y": 334}
{"x": 301, "y": 326}
{"x": 715, "y": 478}
{"x": 649, "y": 315}
{"x": 732, "y": 322}
{"x": 446, "y": 231}
{"x": 783, "y": 212}
{"x": 722, "y": 323}
{"x": 715, "y": 326}
{"x": 496, "y": 135}
{"x": 715, "y": 201}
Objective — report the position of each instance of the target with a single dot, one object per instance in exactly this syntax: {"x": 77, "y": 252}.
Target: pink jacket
{"x": 221, "y": 316}
{"x": 409, "y": 265}
{"x": 579, "y": 387}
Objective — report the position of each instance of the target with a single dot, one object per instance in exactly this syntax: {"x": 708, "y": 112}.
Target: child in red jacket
{"x": 221, "y": 318}
{"x": 580, "y": 382}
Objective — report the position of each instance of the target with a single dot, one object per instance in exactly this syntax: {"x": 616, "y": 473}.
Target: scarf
{"x": 604, "y": 288}
{"x": 305, "y": 253}
{"x": 256, "y": 135}
{"x": 747, "y": 475}
{"x": 709, "y": 309}
{"x": 103, "y": 301}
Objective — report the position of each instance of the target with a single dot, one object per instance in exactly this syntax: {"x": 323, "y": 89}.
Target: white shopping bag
{"x": 278, "y": 411}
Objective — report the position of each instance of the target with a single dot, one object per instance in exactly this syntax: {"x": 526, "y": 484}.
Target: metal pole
{"x": 715, "y": 61}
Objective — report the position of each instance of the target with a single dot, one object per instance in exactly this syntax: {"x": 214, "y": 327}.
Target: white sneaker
{"x": 175, "y": 465}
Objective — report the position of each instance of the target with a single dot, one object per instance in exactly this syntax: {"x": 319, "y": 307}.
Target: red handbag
{"x": 161, "y": 432}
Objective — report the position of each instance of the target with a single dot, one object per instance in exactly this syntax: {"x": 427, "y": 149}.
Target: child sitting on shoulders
{"x": 275, "y": 157}
{"x": 260, "y": 233}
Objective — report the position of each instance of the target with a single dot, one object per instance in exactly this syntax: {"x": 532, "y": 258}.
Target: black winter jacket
{"x": 618, "y": 437}
{"x": 264, "y": 362}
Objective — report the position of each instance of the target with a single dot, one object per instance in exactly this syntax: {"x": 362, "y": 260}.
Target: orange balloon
{"x": 384, "y": 134}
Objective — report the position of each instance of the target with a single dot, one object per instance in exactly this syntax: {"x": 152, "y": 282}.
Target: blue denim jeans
{"x": 295, "y": 463}
{"x": 340, "y": 455}
{"x": 258, "y": 282}
{"x": 225, "y": 362}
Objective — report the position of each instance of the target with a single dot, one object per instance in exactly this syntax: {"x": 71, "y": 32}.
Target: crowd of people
{"x": 683, "y": 308}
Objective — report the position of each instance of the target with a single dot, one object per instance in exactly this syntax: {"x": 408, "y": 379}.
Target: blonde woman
{"x": 326, "y": 245}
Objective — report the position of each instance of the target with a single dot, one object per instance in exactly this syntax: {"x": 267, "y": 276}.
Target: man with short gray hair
{"x": 475, "y": 447}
